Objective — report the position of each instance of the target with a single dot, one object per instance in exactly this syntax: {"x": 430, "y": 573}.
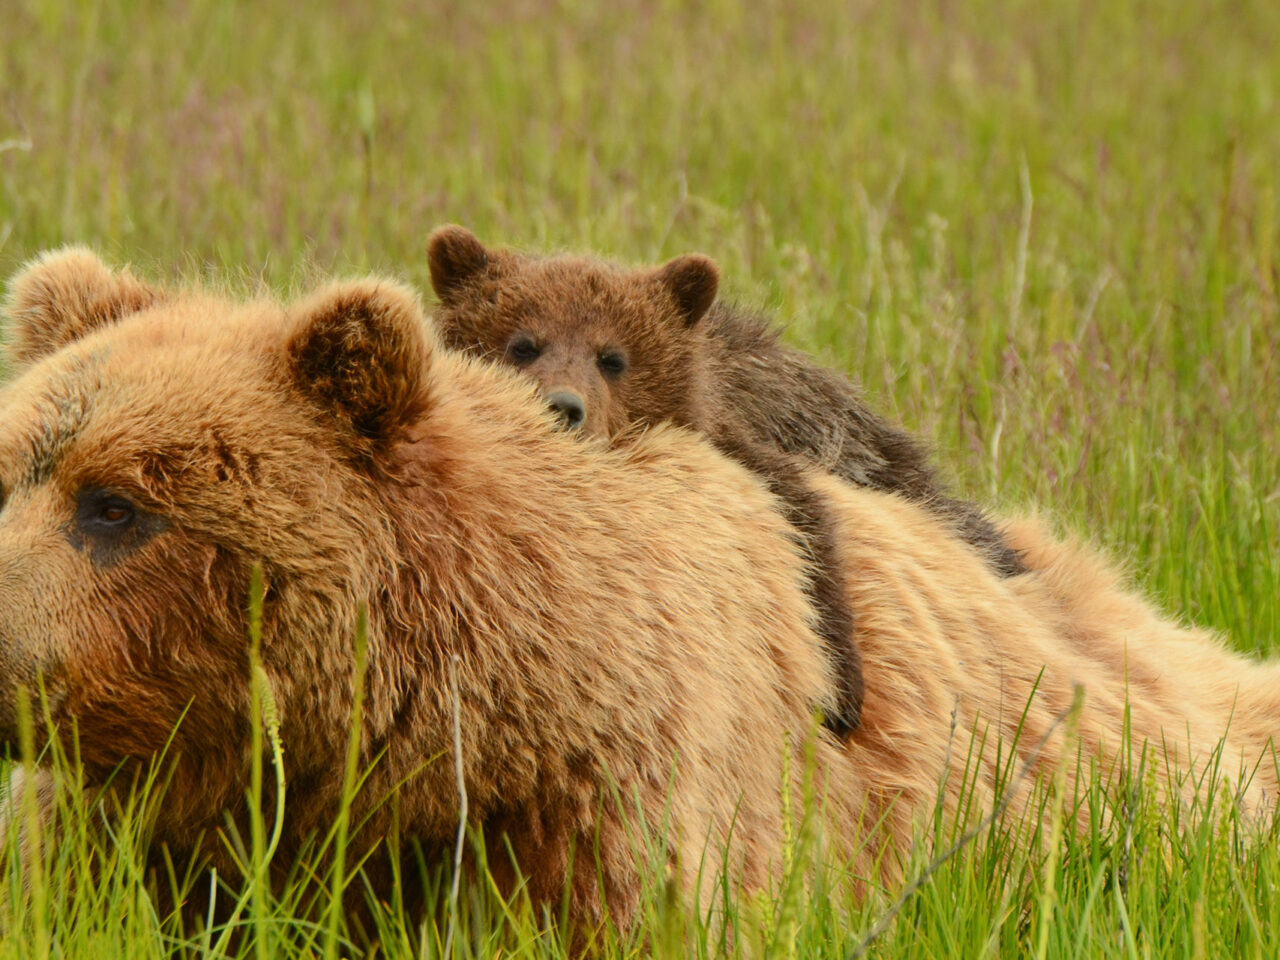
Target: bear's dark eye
{"x": 523, "y": 349}
{"x": 115, "y": 513}
{"x": 110, "y": 526}
{"x": 104, "y": 511}
{"x": 612, "y": 363}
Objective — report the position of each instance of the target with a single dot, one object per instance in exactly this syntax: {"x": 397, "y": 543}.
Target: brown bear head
{"x": 150, "y": 452}
{"x": 609, "y": 346}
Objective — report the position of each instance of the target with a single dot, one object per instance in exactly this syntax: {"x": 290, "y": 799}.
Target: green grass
{"x": 1142, "y": 877}
{"x": 1044, "y": 235}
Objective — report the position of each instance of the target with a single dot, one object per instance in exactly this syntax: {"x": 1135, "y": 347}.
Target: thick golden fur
{"x": 631, "y": 620}
{"x": 940, "y": 632}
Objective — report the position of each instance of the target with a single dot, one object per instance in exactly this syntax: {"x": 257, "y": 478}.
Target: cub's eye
{"x": 523, "y": 349}
{"x": 612, "y": 363}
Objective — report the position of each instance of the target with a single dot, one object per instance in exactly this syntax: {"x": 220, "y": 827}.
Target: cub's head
{"x": 154, "y": 447}
{"x": 609, "y": 346}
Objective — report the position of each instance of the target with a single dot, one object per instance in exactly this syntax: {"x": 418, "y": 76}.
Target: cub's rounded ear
{"x": 64, "y": 294}
{"x": 455, "y": 257}
{"x": 692, "y": 281}
{"x": 360, "y": 351}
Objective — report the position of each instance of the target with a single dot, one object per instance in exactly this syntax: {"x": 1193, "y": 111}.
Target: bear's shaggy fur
{"x": 624, "y": 623}
{"x": 613, "y": 348}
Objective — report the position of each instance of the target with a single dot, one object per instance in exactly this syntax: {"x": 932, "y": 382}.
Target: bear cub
{"x": 613, "y": 348}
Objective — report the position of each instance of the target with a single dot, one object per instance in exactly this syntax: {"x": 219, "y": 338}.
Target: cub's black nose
{"x": 569, "y": 407}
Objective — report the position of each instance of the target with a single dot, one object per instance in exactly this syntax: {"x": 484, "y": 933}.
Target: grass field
{"x": 1043, "y": 235}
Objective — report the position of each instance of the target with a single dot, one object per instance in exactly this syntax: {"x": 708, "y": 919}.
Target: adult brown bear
{"x": 625, "y": 623}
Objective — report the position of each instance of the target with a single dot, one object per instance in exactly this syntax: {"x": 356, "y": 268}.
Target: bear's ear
{"x": 360, "y": 351}
{"x": 692, "y": 281}
{"x": 455, "y": 257}
{"x": 62, "y": 295}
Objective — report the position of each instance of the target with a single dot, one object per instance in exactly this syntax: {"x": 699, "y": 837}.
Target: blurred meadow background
{"x": 1044, "y": 235}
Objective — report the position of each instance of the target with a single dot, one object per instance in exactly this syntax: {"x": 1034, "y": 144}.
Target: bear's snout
{"x": 569, "y": 407}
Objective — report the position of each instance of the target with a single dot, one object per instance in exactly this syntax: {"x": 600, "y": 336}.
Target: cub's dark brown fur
{"x": 788, "y": 401}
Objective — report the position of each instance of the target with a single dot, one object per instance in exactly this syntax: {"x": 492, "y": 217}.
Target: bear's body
{"x": 622, "y": 622}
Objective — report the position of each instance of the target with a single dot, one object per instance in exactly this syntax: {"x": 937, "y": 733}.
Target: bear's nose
{"x": 569, "y": 407}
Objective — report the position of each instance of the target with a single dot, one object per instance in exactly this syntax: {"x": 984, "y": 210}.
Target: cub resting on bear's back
{"x": 625, "y": 623}
{"x": 613, "y": 347}
{"x": 646, "y": 345}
